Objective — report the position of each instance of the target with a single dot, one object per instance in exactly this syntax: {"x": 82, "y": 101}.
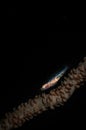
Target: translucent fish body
{"x": 54, "y": 79}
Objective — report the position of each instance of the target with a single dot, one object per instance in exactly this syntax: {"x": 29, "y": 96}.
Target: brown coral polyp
{"x": 42, "y": 102}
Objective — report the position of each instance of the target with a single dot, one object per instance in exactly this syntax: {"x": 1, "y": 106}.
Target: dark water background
{"x": 26, "y": 65}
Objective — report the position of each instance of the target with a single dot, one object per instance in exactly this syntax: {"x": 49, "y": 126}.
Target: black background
{"x": 11, "y": 12}
{"x": 37, "y": 50}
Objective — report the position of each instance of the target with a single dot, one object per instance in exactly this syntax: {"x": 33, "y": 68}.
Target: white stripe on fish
{"x": 54, "y": 80}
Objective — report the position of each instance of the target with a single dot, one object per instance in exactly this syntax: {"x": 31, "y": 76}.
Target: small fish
{"x": 54, "y": 79}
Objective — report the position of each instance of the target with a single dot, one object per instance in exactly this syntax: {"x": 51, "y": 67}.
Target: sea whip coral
{"x": 42, "y": 102}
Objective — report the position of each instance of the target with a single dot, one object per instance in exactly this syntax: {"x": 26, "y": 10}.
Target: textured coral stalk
{"x": 42, "y": 102}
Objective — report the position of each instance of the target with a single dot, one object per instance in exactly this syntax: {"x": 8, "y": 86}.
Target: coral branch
{"x": 42, "y": 102}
